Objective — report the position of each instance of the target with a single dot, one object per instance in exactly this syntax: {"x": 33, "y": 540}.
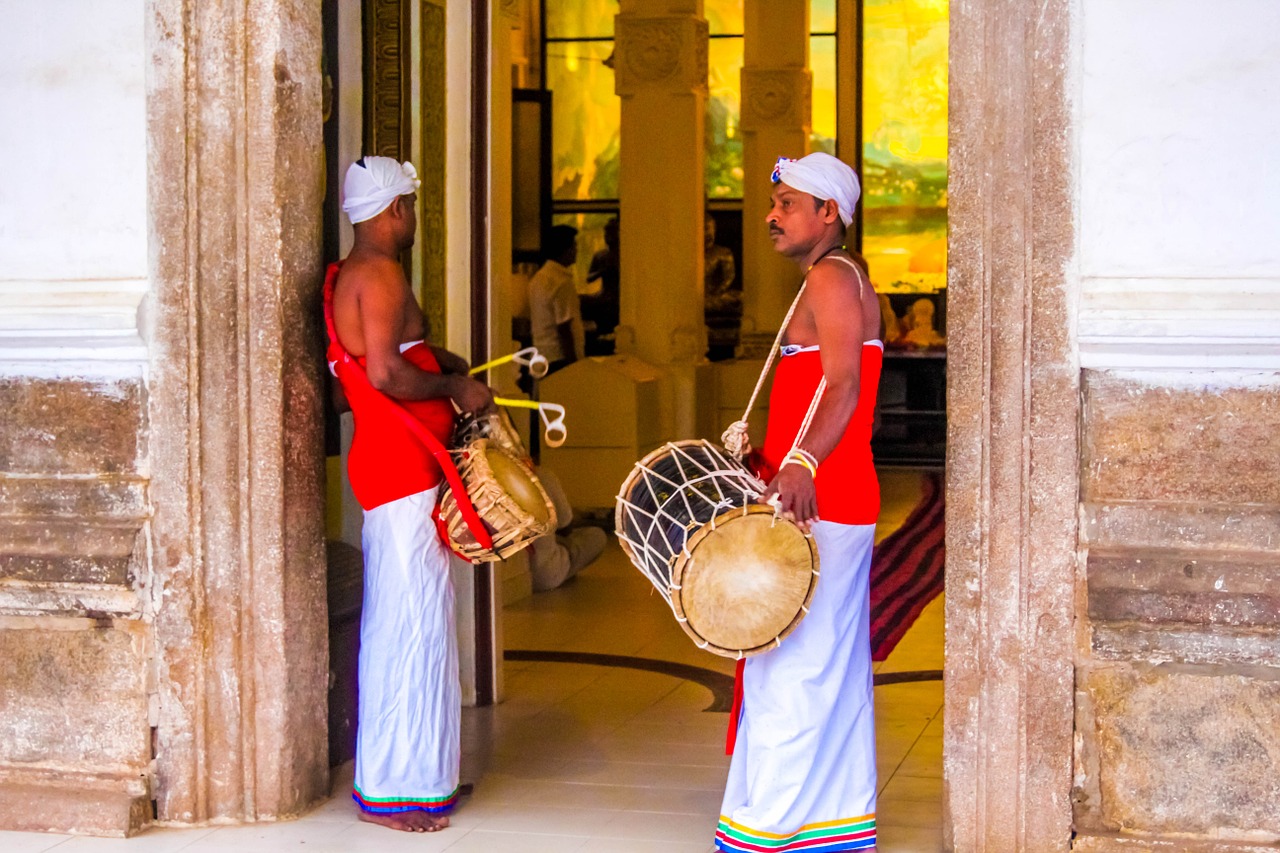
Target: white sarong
{"x": 408, "y": 741}
{"x": 803, "y": 774}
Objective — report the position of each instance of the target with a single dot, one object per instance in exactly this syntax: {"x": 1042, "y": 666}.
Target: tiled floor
{"x": 593, "y": 758}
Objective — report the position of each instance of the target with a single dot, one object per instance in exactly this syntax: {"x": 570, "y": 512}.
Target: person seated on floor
{"x": 558, "y": 556}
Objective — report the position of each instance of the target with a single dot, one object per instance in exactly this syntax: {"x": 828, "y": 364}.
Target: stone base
{"x": 106, "y": 811}
{"x": 1129, "y": 844}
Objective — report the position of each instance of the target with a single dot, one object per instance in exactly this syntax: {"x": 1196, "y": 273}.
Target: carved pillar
{"x": 387, "y": 122}
{"x": 430, "y": 160}
{"x": 661, "y": 68}
{"x": 777, "y": 91}
{"x": 236, "y": 540}
{"x": 1013, "y": 404}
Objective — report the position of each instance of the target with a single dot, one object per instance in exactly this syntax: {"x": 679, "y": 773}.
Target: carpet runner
{"x": 907, "y": 570}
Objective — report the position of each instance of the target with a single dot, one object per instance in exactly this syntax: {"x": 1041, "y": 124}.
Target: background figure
{"x": 558, "y": 556}
{"x": 600, "y": 311}
{"x": 554, "y": 313}
{"x": 722, "y": 302}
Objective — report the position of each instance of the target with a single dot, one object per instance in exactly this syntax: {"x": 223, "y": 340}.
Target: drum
{"x": 737, "y": 578}
{"x": 496, "y": 426}
{"x": 503, "y": 489}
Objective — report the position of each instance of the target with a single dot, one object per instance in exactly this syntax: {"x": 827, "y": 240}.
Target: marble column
{"x": 777, "y": 91}
{"x": 1013, "y": 445}
{"x": 235, "y": 543}
{"x": 661, "y": 64}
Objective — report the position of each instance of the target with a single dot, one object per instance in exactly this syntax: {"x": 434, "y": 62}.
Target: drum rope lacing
{"x": 675, "y": 496}
{"x": 660, "y": 518}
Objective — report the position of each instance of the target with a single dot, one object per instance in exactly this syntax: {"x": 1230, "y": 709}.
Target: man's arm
{"x": 565, "y": 332}
{"x": 565, "y": 308}
{"x": 835, "y": 307}
{"x": 382, "y": 306}
{"x": 450, "y": 362}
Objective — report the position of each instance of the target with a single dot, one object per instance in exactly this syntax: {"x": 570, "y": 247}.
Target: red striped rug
{"x": 907, "y": 570}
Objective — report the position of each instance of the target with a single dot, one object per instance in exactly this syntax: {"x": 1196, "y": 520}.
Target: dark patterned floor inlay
{"x": 720, "y": 685}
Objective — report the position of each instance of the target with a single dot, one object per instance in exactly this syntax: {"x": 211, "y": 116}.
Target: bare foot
{"x": 415, "y": 821}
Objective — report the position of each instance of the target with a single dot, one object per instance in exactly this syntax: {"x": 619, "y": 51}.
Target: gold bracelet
{"x": 798, "y": 459}
{"x": 813, "y": 460}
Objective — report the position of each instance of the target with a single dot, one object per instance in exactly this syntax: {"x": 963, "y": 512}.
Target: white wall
{"x": 73, "y": 216}
{"x": 1178, "y": 110}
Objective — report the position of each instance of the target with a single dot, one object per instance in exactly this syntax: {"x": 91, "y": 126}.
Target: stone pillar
{"x": 777, "y": 91}
{"x": 661, "y": 64}
{"x": 237, "y": 577}
{"x": 1013, "y": 405}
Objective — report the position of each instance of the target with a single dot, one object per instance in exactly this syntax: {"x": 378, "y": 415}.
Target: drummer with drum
{"x": 402, "y": 392}
{"x": 803, "y": 767}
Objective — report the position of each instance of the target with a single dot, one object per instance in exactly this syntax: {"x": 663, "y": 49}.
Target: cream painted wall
{"x": 73, "y": 211}
{"x": 1179, "y": 188}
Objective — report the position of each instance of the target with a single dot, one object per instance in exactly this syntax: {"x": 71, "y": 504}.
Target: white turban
{"x": 823, "y": 177}
{"x": 372, "y": 183}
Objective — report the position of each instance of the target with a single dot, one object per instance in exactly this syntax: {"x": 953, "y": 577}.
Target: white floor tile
{"x": 660, "y": 826}
{"x": 481, "y": 841}
{"x": 29, "y": 842}
{"x": 157, "y": 840}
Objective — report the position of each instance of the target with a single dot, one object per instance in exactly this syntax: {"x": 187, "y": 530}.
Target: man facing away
{"x": 408, "y": 740}
{"x": 803, "y": 772}
{"x": 554, "y": 312}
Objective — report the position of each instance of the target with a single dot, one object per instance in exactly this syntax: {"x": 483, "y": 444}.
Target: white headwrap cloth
{"x": 369, "y": 189}
{"x": 823, "y": 177}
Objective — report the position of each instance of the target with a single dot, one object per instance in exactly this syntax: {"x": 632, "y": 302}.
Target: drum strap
{"x": 339, "y": 357}
{"x": 735, "y": 711}
{"x": 735, "y": 437}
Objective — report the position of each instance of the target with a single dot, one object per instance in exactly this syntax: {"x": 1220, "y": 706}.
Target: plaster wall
{"x": 1179, "y": 272}
{"x": 73, "y": 227}
{"x": 1177, "y": 209}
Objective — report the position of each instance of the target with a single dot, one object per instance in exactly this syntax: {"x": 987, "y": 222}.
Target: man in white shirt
{"x": 554, "y": 312}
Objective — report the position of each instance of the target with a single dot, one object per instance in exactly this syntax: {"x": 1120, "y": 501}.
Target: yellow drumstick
{"x": 553, "y": 430}
{"x": 529, "y": 357}
{"x": 517, "y": 404}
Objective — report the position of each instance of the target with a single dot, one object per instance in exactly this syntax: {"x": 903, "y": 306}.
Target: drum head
{"x": 747, "y": 584}
{"x": 518, "y": 483}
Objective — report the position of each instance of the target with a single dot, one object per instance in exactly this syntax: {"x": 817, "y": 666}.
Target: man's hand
{"x": 797, "y": 497}
{"x": 472, "y": 396}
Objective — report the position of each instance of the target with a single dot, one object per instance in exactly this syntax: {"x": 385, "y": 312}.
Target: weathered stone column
{"x": 777, "y": 93}
{"x": 662, "y": 78}
{"x": 1012, "y": 448}
{"x": 236, "y": 540}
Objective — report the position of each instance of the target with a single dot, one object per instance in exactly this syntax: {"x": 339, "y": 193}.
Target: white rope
{"x": 808, "y": 416}
{"x": 735, "y": 437}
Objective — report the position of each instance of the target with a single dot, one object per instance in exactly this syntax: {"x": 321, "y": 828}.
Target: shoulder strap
{"x": 855, "y": 266}
{"x": 735, "y": 437}
{"x": 342, "y": 360}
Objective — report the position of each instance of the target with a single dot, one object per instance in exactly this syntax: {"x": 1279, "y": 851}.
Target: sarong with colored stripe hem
{"x": 408, "y": 741}
{"x": 853, "y": 834}
{"x": 391, "y": 805}
{"x": 805, "y": 754}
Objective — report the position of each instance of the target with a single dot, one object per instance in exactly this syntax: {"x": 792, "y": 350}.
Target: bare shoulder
{"x": 833, "y": 285}
{"x": 365, "y": 273}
